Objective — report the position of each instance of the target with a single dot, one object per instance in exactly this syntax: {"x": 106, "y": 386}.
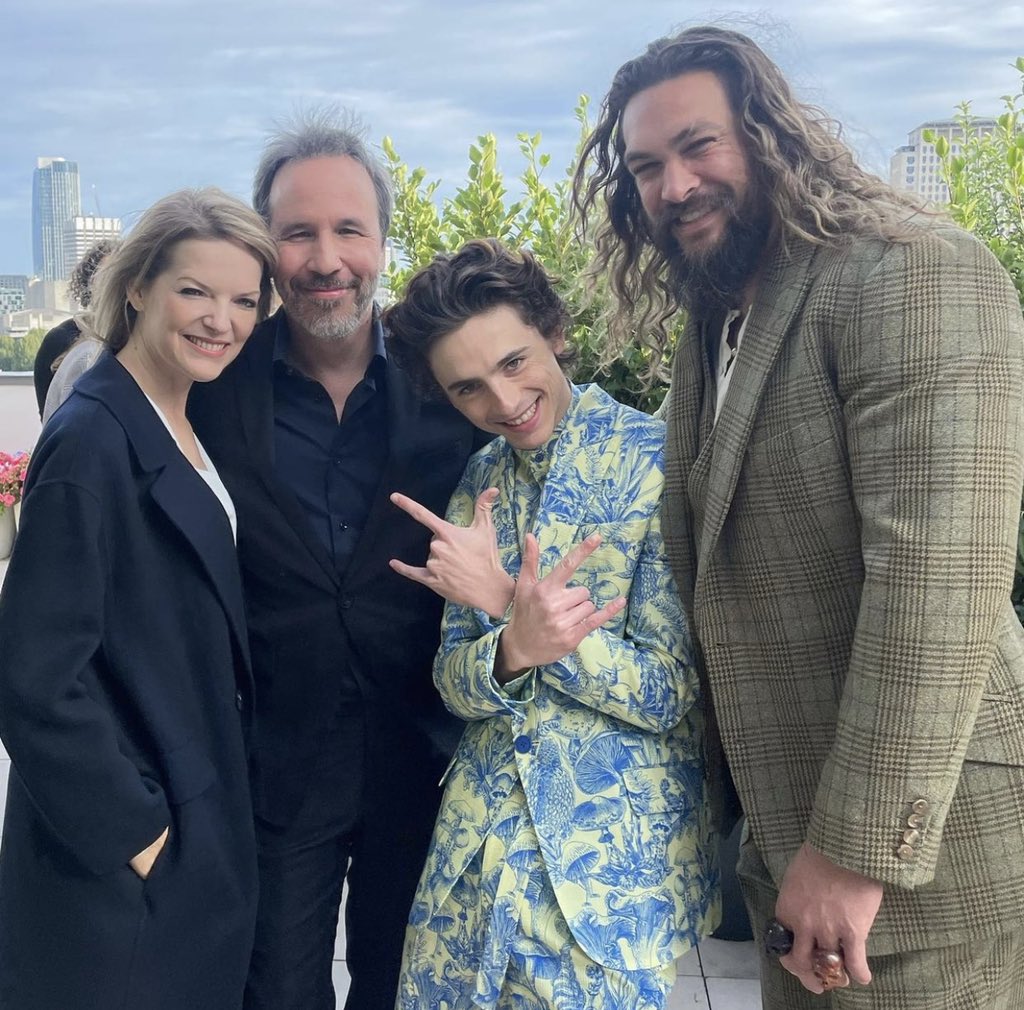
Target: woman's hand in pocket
{"x": 142, "y": 864}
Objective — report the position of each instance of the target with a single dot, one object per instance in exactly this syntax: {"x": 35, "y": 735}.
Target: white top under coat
{"x": 209, "y": 474}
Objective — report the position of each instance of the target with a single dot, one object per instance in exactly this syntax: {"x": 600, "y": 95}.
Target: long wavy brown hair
{"x": 798, "y": 163}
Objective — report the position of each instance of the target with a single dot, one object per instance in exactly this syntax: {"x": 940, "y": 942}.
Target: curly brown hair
{"x": 455, "y": 287}
{"x": 80, "y": 282}
{"x": 806, "y": 173}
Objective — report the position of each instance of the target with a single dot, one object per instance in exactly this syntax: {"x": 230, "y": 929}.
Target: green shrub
{"x": 17, "y": 354}
{"x": 536, "y": 219}
{"x": 986, "y": 196}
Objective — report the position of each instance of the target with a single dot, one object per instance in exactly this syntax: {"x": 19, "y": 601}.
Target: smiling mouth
{"x": 526, "y": 416}
{"x": 209, "y": 346}
{"x": 331, "y": 292}
{"x": 693, "y": 217}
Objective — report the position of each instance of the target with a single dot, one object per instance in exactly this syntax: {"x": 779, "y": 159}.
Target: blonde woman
{"x": 128, "y": 869}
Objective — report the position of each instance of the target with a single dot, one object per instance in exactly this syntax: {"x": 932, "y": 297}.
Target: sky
{"x": 149, "y": 96}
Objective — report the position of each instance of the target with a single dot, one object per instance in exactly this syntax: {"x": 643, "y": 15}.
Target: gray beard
{"x": 326, "y": 325}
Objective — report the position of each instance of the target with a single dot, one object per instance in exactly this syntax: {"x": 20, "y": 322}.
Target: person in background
{"x": 572, "y": 861}
{"x": 128, "y": 861}
{"x": 311, "y": 428}
{"x": 843, "y": 477}
{"x": 59, "y": 340}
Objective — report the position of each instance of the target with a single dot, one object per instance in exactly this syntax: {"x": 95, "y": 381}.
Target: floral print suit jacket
{"x": 605, "y": 743}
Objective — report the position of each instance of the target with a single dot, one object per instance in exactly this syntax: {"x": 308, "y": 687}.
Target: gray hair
{"x": 322, "y": 132}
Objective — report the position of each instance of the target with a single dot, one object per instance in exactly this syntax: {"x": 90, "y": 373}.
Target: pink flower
{"x": 12, "y": 476}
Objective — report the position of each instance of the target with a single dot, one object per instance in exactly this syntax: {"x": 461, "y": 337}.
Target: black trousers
{"x": 371, "y": 830}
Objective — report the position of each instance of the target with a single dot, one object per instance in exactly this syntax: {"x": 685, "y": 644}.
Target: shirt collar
{"x": 537, "y": 462}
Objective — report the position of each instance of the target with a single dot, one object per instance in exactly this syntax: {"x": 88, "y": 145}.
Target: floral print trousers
{"x": 500, "y": 942}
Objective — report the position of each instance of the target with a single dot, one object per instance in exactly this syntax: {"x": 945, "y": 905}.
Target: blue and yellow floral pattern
{"x": 573, "y": 842}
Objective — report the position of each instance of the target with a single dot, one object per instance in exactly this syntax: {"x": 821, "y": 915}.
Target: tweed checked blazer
{"x": 843, "y": 540}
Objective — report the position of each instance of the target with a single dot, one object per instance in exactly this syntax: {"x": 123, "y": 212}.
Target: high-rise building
{"x": 13, "y": 288}
{"x": 56, "y": 198}
{"x": 916, "y": 167}
{"x": 82, "y": 233}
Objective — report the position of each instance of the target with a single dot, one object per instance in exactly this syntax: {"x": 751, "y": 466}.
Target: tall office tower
{"x": 56, "y": 198}
{"x": 915, "y": 166}
{"x": 81, "y": 233}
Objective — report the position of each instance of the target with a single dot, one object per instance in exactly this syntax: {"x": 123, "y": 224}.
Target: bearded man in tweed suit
{"x": 845, "y": 458}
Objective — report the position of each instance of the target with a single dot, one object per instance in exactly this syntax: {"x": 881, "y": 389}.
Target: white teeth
{"x": 206, "y": 345}
{"x": 523, "y": 417}
{"x": 693, "y": 215}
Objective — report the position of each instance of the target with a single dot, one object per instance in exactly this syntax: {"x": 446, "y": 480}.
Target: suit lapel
{"x": 404, "y": 408}
{"x": 254, "y": 401}
{"x": 687, "y": 437}
{"x": 588, "y": 444}
{"x": 778, "y": 302}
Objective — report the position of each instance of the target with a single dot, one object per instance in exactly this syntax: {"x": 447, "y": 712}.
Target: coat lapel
{"x": 404, "y": 409}
{"x": 687, "y": 436}
{"x": 175, "y": 491}
{"x": 176, "y": 488}
{"x": 778, "y": 302}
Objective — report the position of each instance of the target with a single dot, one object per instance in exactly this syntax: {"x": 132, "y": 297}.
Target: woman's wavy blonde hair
{"x": 207, "y": 213}
{"x": 798, "y": 164}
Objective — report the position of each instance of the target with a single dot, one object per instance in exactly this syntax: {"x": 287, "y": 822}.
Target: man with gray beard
{"x": 312, "y": 429}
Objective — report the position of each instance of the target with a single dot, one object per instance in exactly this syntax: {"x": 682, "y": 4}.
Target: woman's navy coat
{"x": 124, "y": 695}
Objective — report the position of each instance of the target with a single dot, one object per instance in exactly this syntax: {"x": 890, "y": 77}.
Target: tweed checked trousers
{"x": 985, "y": 974}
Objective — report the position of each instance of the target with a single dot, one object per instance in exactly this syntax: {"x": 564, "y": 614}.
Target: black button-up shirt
{"x": 332, "y": 467}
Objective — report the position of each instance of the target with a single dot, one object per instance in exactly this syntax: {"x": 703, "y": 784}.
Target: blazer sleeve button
{"x": 920, "y": 807}
{"x": 911, "y": 836}
{"x": 907, "y": 853}
{"x": 239, "y": 703}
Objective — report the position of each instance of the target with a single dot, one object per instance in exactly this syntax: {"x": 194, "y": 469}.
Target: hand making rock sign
{"x": 463, "y": 565}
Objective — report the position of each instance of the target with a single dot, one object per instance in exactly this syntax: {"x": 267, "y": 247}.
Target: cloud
{"x": 150, "y": 95}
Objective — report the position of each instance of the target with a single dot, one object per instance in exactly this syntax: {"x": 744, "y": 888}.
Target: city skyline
{"x": 150, "y": 97}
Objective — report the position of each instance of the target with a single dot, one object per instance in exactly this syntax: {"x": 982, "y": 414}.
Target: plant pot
{"x": 6, "y": 531}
